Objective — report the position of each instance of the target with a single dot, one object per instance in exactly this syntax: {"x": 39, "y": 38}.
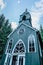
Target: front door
{"x": 14, "y": 60}
{"x": 18, "y": 60}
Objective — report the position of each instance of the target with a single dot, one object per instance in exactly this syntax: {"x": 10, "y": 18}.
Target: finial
{"x": 26, "y": 10}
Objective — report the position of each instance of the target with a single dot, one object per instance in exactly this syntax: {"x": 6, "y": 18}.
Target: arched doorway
{"x": 19, "y": 53}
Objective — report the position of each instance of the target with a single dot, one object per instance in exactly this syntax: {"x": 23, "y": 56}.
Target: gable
{"x": 19, "y": 27}
{"x": 15, "y": 36}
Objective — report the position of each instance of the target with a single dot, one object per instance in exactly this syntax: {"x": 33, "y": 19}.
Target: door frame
{"x": 22, "y": 55}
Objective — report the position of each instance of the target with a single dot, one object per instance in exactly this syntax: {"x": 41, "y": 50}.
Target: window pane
{"x": 29, "y": 44}
{"x": 33, "y": 49}
{"x": 21, "y": 61}
{"x": 33, "y": 44}
{"x": 10, "y": 51}
{"x": 9, "y": 47}
{"x": 30, "y": 49}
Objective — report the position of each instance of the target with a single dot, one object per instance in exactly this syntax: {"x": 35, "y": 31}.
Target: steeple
{"x": 25, "y": 18}
{"x": 26, "y": 10}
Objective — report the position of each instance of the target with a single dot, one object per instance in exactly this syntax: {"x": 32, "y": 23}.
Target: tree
{"x": 41, "y": 32}
{"x": 5, "y": 30}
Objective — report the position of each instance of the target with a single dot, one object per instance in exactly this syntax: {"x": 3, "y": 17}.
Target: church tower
{"x": 25, "y": 18}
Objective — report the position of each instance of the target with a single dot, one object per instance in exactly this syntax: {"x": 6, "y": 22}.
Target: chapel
{"x": 23, "y": 44}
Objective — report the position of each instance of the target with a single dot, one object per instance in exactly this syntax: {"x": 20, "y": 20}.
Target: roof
{"x": 19, "y": 26}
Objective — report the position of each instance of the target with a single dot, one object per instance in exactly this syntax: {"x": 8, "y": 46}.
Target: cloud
{"x": 36, "y": 13}
{"x": 39, "y": 4}
{"x": 14, "y": 25}
{"x": 2, "y": 4}
{"x": 19, "y": 1}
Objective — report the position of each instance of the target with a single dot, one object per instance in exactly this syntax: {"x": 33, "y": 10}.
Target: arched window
{"x": 19, "y": 53}
{"x": 31, "y": 43}
{"x": 24, "y": 17}
{"x": 19, "y": 47}
{"x": 9, "y": 48}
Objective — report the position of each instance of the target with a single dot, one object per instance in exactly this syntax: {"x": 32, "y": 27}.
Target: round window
{"x": 21, "y": 31}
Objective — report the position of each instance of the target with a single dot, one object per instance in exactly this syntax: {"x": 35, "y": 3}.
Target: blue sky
{"x": 12, "y": 9}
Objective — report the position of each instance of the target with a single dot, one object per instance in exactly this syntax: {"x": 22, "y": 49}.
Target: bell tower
{"x": 25, "y": 18}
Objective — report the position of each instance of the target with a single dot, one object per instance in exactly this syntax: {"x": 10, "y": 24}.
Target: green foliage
{"x": 5, "y": 30}
{"x": 41, "y": 32}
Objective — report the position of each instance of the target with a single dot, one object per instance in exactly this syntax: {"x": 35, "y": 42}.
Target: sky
{"x": 12, "y": 9}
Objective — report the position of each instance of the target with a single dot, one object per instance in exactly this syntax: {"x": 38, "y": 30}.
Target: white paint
{"x": 11, "y": 60}
{"x": 6, "y": 59}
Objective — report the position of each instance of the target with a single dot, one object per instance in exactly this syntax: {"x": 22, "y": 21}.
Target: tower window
{"x": 24, "y": 17}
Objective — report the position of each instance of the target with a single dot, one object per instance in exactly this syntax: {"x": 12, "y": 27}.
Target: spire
{"x": 26, "y": 10}
{"x": 25, "y": 17}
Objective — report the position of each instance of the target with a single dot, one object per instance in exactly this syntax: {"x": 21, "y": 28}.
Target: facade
{"x": 23, "y": 45}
